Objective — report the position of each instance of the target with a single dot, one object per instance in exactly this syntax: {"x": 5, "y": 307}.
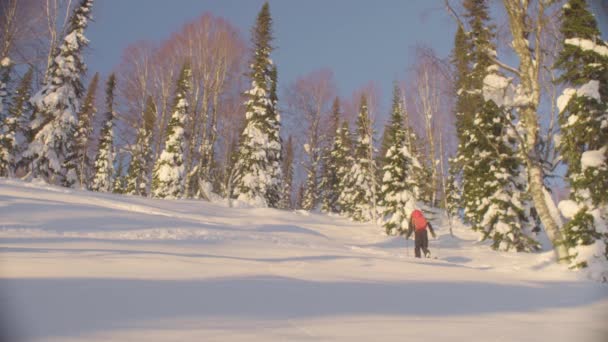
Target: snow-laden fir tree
{"x": 120, "y": 180}
{"x": 472, "y": 57}
{"x": 286, "y": 201}
{"x": 360, "y": 189}
{"x": 502, "y": 215}
{"x": 453, "y": 190}
{"x": 14, "y": 129}
{"x": 5, "y": 78}
{"x": 54, "y": 123}
{"x": 494, "y": 193}
{"x": 85, "y": 128}
{"x": 138, "y": 176}
{"x": 5, "y": 153}
{"x": 104, "y": 161}
{"x": 333, "y": 158}
{"x": 341, "y": 159}
{"x": 311, "y": 193}
{"x": 259, "y": 160}
{"x": 169, "y": 172}
{"x": 583, "y": 145}
{"x": 398, "y": 187}
{"x": 464, "y": 110}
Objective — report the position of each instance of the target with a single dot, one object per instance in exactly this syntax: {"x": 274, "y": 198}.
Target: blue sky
{"x": 360, "y": 40}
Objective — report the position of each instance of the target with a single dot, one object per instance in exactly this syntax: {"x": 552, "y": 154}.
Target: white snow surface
{"x": 83, "y": 266}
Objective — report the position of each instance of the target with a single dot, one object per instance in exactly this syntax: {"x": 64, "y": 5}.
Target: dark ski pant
{"x": 421, "y": 242}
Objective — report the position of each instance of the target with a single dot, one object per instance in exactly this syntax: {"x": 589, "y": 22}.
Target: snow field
{"x": 76, "y": 266}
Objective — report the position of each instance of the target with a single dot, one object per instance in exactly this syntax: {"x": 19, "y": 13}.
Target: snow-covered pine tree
{"x": 85, "y": 117}
{"x": 54, "y": 123}
{"x": 286, "y": 201}
{"x": 259, "y": 160}
{"x": 453, "y": 190}
{"x": 120, "y": 180}
{"x": 472, "y": 60}
{"x": 398, "y": 187}
{"x": 584, "y": 138}
{"x": 360, "y": 191}
{"x": 333, "y": 159}
{"x": 311, "y": 188}
{"x": 501, "y": 215}
{"x": 169, "y": 172}
{"x": 138, "y": 176}
{"x": 6, "y": 66}
{"x": 14, "y": 128}
{"x": 104, "y": 161}
{"x": 342, "y": 158}
{"x": 494, "y": 191}
{"x": 464, "y": 110}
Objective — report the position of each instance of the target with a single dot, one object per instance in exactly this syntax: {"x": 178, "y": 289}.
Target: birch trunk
{"x": 530, "y": 60}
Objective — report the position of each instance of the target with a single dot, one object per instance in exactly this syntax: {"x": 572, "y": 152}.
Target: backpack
{"x": 418, "y": 220}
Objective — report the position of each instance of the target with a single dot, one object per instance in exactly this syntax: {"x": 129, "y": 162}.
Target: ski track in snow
{"x": 82, "y": 266}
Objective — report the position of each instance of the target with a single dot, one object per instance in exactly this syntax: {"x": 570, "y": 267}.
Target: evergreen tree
{"x": 398, "y": 184}
{"x": 286, "y": 202}
{"x": 138, "y": 176}
{"x": 502, "y": 213}
{"x": 169, "y": 171}
{"x": 54, "y": 123}
{"x": 13, "y": 131}
{"x": 584, "y": 137}
{"x": 472, "y": 61}
{"x": 104, "y": 161}
{"x": 310, "y": 188}
{"x": 334, "y": 158}
{"x": 464, "y": 110}
{"x": 494, "y": 193}
{"x": 360, "y": 191}
{"x": 453, "y": 190}
{"x": 120, "y": 181}
{"x": 5, "y": 77}
{"x": 85, "y": 117}
{"x": 341, "y": 161}
{"x": 259, "y": 161}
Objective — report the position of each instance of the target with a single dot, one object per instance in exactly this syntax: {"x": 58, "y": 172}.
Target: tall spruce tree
{"x": 85, "y": 128}
{"x": 14, "y": 128}
{"x": 259, "y": 161}
{"x": 6, "y": 66}
{"x": 54, "y": 124}
{"x": 138, "y": 176}
{"x": 398, "y": 189}
{"x": 169, "y": 172}
{"x": 104, "y": 161}
{"x": 333, "y": 158}
{"x": 472, "y": 68}
{"x": 360, "y": 191}
{"x": 464, "y": 110}
{"x": 583, "y": 120}
{"x": 120, "y": 180}
{"x": 342, "y": 159}
{"x": 494, "y": 192}
{"x": 288, "y": 169}
{"x": 503, "y": 215}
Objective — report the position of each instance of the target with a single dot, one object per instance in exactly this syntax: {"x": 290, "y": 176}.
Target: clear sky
{"x": 360, "y": 40}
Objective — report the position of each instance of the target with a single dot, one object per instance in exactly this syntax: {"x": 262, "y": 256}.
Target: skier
{"x": 419, "y": 224}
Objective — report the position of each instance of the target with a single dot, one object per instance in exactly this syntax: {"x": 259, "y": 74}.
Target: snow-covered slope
{"x": 81, "y": 266}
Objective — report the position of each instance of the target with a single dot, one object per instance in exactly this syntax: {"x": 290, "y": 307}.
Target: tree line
{"x": 197, "y": 116}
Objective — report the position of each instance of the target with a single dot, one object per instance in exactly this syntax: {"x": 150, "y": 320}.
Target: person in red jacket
{"x": 419, "y": 224}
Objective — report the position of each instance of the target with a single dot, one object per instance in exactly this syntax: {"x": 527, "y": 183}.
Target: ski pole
{"x": 407, "y": 247}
